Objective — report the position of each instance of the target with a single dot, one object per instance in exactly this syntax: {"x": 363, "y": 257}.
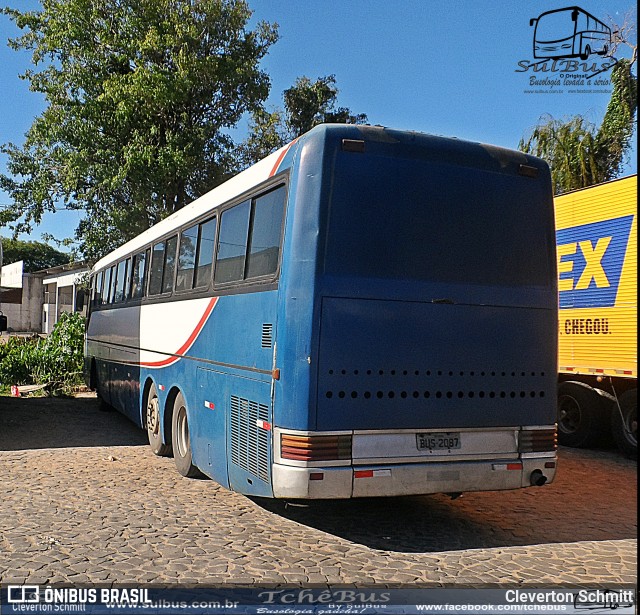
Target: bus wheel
{"x": 154, "y": 424}
{"x": 181, "y": 441}
{"x": 625, "y": 426}
{"x": 587, "y": 52}
{"x": 582, "y": 415}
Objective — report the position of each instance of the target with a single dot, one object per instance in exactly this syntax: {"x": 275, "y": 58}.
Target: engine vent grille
{"x": 267, "y": 335}
{"x": 250, "y": 443}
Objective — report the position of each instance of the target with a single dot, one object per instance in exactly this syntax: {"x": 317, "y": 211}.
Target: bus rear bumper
{"x": 411, "y": 479}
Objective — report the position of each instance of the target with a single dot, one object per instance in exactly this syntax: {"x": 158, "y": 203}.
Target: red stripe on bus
{"x": 190, "y": 339}
{"x": 283, "y": 153}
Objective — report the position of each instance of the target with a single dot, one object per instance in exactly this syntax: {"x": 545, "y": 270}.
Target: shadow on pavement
{"x": 592, "y": 488}
{"x": 45, "y": 422}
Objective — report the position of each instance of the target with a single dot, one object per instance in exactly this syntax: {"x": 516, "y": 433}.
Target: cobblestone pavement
{"x": 84, "y": 500}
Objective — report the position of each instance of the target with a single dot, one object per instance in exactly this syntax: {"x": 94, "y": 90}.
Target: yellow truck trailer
{"x": 598, "y": 359}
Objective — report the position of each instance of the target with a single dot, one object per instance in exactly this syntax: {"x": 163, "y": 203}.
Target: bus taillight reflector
{"x": 315, "y": 448}
{"x": 537, "y": 440}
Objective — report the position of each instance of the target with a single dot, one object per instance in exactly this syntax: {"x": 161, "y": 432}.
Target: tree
{"x": 306, "y": 104}
{"x": 35, "y": 254}
{"x": 578, "y": 153}
{"x": 139, "y": 95}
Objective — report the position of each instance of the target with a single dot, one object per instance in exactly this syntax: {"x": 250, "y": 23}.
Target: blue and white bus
{"x": 366, "y": 312}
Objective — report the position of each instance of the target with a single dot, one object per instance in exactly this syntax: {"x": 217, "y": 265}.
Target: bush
{"x": 55, "y": 361}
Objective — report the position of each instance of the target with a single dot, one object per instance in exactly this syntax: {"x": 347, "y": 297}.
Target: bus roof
{"x": 450, "y": 149}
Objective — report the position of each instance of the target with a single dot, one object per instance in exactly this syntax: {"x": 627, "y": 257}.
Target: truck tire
{"x": 583, "y": 418}
{"x": 625, "y": 427}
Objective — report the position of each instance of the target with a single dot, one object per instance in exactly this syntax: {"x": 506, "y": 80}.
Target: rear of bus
{"x": 417, "y": 331}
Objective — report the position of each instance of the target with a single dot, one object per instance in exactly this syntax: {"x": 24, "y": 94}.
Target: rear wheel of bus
{"x": 582, "y": 415}
{"x": 153, "y": 422}
{"x": 624, "y": 423}
{"x": 181, "y": 441}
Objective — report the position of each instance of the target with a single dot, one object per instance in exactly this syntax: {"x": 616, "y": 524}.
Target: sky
{"x": 452, "y": 68}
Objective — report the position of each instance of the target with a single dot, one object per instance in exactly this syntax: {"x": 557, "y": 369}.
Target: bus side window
{"x": 107, "y": 286}
{"x": 187, "y": 258}
{"x": 157, "y": 265}
{"x": 138, "y": 277}
{"x": 112, "y": 286}
{"x": 97, "y": 295}
{"x": 169, "y": 264}
{"x": 121, "y": 276}
{"x": 232, "y": 243}
{"x": 127, "y": 282}
{"x": 266, "y": 229}
{"x": 207, "y": 237}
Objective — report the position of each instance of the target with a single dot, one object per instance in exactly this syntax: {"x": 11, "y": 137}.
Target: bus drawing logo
{"x": 570, "y": 32}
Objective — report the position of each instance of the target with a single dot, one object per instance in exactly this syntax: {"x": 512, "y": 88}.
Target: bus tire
{"x": 625, "y": 426}
{"x": 181, "y": 441}
{"x": 153, "y": 423}
{"x": 582, "y": 415}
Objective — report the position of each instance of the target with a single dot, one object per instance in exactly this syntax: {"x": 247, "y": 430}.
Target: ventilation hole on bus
{"x": 503, "y": 394}
{"x": 341, "y": 395}
{"x": 354, "y": 394}
{"x": 330, "y": 372}
{"x": 355, "y": 372}
{"x": 512, "y": 394}
{"x": 449, "y": 394}
{"x": 481, "y": 394}
{"x": 460, "y": 394}
{"x": 532, "y": 394}
{"x": 403, "y": 395}
{"x": 393, "y": 372}
{"x": 391, "y": 394}
{"x": 523, "y": 394}
{"x": 416, "y": 373}
{"x": 379, "y": 394}
{"x": 369, "y": 372}
{"x": 541, "y": 393}
{"x": 438, "y": 394}
{"x": 267, "y": 335}
{"x": 381, "y": 373}
{"x": 492, "y": 394}
{"x": 367, "y": 395}
{"x": 329, "y": 394}
{"x": 471, "y": 394}
{"x": 344, "y": 372}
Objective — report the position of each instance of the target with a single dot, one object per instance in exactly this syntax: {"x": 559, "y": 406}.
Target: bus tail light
{"x": 537, "y": 441}
{"x": 315, "y": 448}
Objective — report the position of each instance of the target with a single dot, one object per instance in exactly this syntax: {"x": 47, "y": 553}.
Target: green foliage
{"x": 306, "y": 104}
{"x": 140, "y": 94}
{"x": 35, "y": 254}
{"x": 55, "y": 361}
{"x": 578, "y": 153}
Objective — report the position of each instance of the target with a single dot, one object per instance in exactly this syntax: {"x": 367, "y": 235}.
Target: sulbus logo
{"x": 570, "y": 32}
{"x": 590, "y": 259}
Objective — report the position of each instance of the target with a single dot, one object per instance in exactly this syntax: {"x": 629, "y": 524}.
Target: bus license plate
{"x": 438, "y": 441}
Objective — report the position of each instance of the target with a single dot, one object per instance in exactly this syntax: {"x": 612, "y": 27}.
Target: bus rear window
{"x": 410, "y": 219}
